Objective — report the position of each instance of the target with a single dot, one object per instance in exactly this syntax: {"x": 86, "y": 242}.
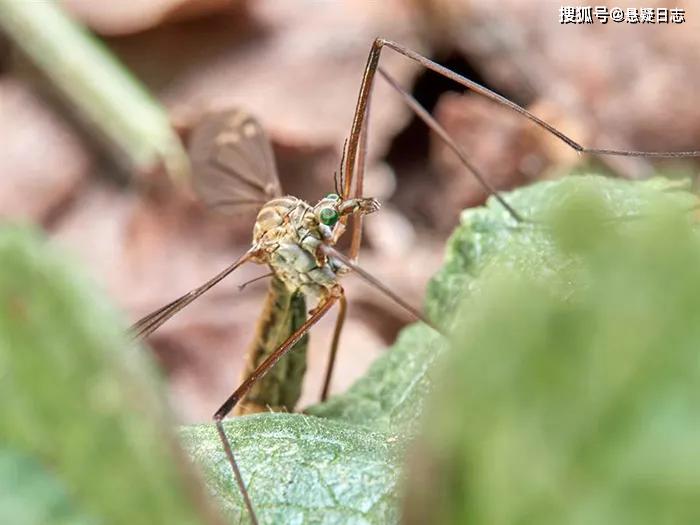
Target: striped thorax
{"x": 289, "y": 231}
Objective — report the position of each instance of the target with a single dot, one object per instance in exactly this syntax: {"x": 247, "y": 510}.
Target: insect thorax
{"x": 288, "y": 234}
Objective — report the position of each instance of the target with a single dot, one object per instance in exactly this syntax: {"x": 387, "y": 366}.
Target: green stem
{"x": 93, "y": 81}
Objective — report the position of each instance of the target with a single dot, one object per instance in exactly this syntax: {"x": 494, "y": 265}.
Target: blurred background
{"x": 297, "y": 66}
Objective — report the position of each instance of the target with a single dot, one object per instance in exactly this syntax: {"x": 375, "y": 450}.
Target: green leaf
{"x": 31, "y": 495}
{"x": 572, "y": 400}
{"x": 79, "y": 398}
{"x": 489, "y": 238}
{"x": 302, "y": 469}
{"x": 392, "y": 392}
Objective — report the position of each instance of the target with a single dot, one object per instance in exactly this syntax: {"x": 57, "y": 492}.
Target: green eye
{"x": 328, "y": 216}
{"x": 333, "y": 196}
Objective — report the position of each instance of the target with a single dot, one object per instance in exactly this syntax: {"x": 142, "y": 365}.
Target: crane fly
{"x": 234, "y": 169}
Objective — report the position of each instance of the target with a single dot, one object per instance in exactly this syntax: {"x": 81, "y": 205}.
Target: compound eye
{"x": 333, "y": 196}
{"x": 328, "y": 216}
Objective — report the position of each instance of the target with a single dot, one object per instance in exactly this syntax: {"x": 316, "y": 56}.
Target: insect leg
{"x": 356, "y": 239}
{"x": 358, "y": 119}
{"x": 247, "y": 384}
{"x": 434, "y": 125}
{"x": 355, "y": 242}
{"x": 332, "y": 252}
{"x": 340, "y": 320}
{"x": 151, "y": 322}
{"x": 495, "y": 97}
{"x": 358, "y": 137}
{"x": 361, "y": 115}
{"x": 243, "y": 286}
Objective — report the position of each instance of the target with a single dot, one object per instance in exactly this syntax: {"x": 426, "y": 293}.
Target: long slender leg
{"x": 358, "y": 135}
{"x": 360, "y": 113}
{"x": 434, "y": 125}
{"x": 259, "y": 372}
{"x": 149, "y": 323}
{"x": 363, "y": 101}
{"x": 339, "y": 322}
{"x": 332, "y": 252}
{"x": 356, "y": 239}
{"x": 355, "y": 242}
{"x": 495, "y": 97}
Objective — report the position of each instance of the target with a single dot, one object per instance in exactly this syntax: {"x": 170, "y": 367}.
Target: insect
{"x": 234, "y": 169}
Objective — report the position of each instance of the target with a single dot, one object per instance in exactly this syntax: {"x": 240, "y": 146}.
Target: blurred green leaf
{"x": 78, "y": 397}
{"x": 570, "y": 393}
{"x": 31, "y": 495}
{"x": 488, "y": 238}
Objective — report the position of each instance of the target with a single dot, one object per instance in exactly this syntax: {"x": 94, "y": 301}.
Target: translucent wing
{"x": 232, "y": 162}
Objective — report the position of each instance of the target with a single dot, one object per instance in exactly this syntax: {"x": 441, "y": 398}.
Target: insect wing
{"x": 232, "y": 161}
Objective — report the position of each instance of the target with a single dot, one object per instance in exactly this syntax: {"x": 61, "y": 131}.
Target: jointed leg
{"x": 495, "y": 97}
{"x": 361, "y": 116}
{"x": 358, "y": 138}
{"x": 150, "y": 323}
{"x": 356, "y": 239}
{"x": 259, "y": 372}
{"x": 434, "y": 125}
{"x": 332, "y": 252}
{"x": 340, "y": 320}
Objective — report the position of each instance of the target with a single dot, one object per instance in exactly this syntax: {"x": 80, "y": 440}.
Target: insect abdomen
{"x": 280, "y": 389}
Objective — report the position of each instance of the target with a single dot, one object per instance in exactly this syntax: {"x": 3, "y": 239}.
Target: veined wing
{"x": 232, "y": 162}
